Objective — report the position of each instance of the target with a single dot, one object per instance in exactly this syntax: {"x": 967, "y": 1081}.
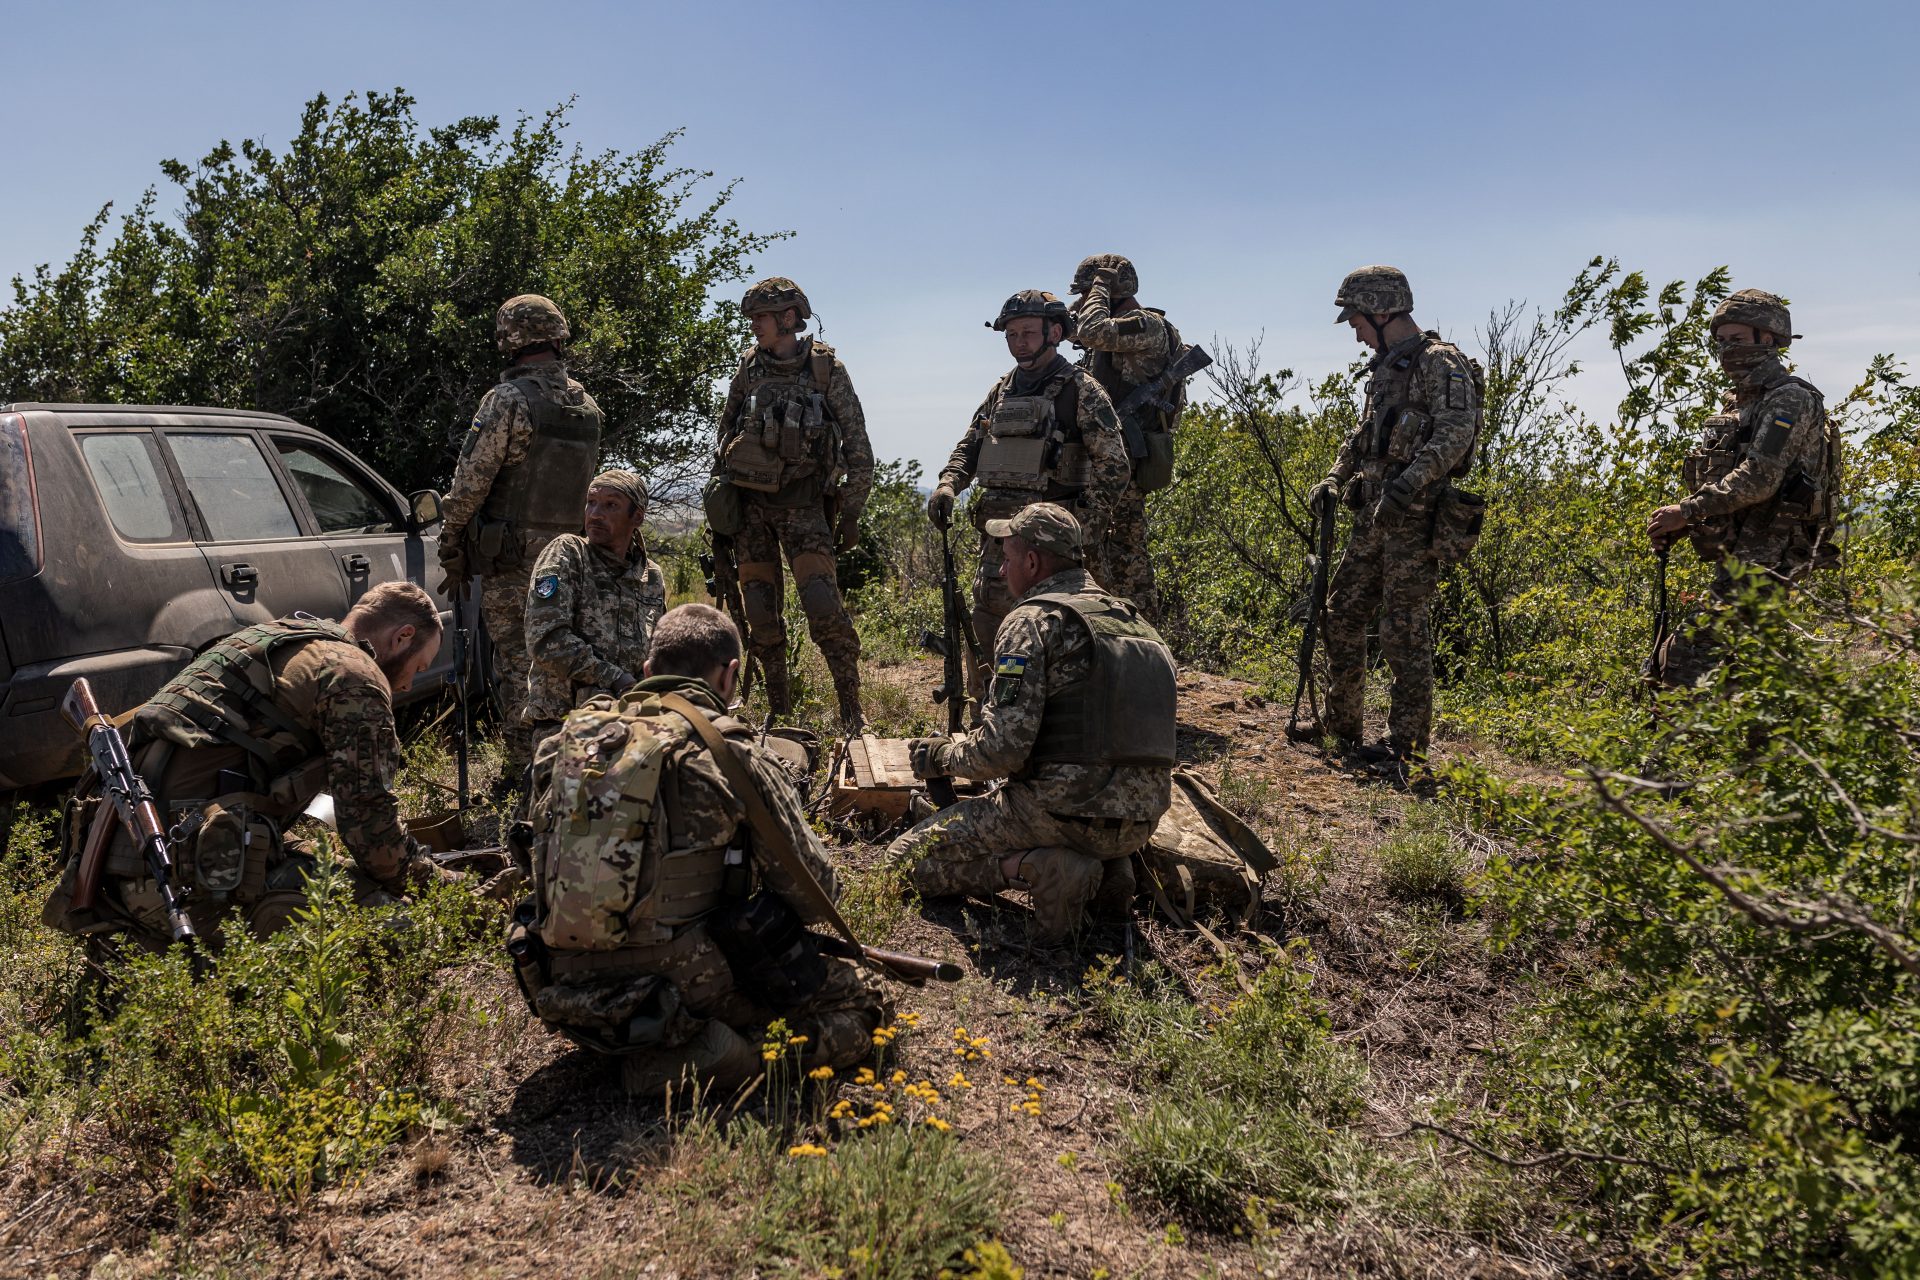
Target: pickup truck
{"x": 133, "y": 536}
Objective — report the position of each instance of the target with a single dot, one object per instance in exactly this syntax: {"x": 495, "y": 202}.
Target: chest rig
{"x": 785, "y": 442}
{"x": 1393, "y": 428}
{"x": 1805, "y": 496}
{"x": 1032, "y": 446}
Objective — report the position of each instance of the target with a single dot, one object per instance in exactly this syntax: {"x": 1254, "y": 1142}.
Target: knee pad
{"x": 820, "y": 597}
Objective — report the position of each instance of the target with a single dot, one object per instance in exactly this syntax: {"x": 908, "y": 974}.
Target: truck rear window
{"x": 19, "y": 523}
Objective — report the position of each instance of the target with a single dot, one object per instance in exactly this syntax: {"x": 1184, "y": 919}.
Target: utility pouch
{"x": 1354, "y": 496}
{"x": 1799, "y": 499}
{"x": 752, "y": 464}
{"x": 487, "y": 546}
{"x": 1155, "y": 471}
{"x": 1704, "y": 466}
{"x": 793, "y": 433}
{"x": 1013, "y": 463}
{"x": 774, "y": 960}
{"x": 231, "y": 849}
{"x": 721, "y": 502}
{"x": 1408, "y": 432}
{"x": 1711, "y": 539}
{"x": 1457, "y": 520}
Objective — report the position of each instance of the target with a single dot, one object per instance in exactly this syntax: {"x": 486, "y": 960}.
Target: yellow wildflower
{"x": 935, "y": 1122}
{"x": 806, "y": 1149}
{"x": 820, "y": 1073}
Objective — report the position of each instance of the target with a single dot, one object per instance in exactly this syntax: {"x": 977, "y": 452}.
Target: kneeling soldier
{"x": 240, "y": 742}
{"x": 664, "y": 928}
{"x": 1079, "y": 720}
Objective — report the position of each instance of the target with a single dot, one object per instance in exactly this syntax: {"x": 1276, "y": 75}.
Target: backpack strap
{"x": 765, "y": 826}
{"x": 821, "y": 362}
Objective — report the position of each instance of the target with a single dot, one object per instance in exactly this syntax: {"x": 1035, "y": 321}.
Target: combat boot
{"x": 717, "y": 1059}
{"x": 1061, "y": 883}
{"x": 773, "y": 673}
{"x": 1113, "y": 900}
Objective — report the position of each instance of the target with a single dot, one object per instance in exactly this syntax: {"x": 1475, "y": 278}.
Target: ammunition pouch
{"x": 232, "y": 845}
{"x": 1154, "y": 471}
{"x": 1711, "y": 539}
{"x": 494, "y": 546}
{"x": 774, "y": 960}
{"x": 751, "y": 464}
{"x": 726, "y": 516}
{"x": 1704, "y": 466}
{"x": 1457, "y": 520}
{"x": 1401, "y": 434}
{"x": 1355, "y": 497}
{"x": 1800, "y": 500}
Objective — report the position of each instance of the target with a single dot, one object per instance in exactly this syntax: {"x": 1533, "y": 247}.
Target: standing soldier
{"x": 1080, "y": 723}
{"x": 1416, "y": 433}
{"x": 591, "y": 605}
{"x": 793, "y": 442}
{"x": 1129, "y": 346}
{"x": 1045, "y": 433}
{"x": 1762, "y": 477}
{"x": 523, "y": 472}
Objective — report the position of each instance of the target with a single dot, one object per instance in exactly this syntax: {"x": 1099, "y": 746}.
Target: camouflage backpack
{"x": 1202, "y": 858}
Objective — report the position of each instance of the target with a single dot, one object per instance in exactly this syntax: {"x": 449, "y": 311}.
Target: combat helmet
{"x": 775, "y": 293}
{"x": 1126, "y": 281}
{"x": 1373, "y": 291}
{"x": 528, "y": 320}
{"x": 1033, "y": 302}
{"x": 1758, "y": 308}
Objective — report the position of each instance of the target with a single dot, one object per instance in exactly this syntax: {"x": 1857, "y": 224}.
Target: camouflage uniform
{"x": 1124, "y": 352}
{"x": 329, "y": 719}
{"x": 1388, "y": 566}
{"x": 1084, "y": 817}
{"x": 699, "y": 1020}
{"x": 796, "y": 521}
{"x": 590, "y": 619}
{"x": 1778, "y": 431}
{"x": 1095, "y": 429}
{"x": 496, "y": 445}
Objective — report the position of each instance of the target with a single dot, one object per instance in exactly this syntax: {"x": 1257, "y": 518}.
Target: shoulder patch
{"x": 1130, "y": 324}
{"x": 545, "y": 587}
{"x": 1011, "y": 664}
{"x": 1009, "y": 673}
{"x": 1459, "y": 390}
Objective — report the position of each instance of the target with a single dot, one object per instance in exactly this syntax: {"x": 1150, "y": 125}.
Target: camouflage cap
{"x": 527, "y": 319}
{"x": 775, "y": 293}
{"x": 627, "y": 483}
{"x": 1373, "y": 291}
{"x": 1044, "y": 526}
{"x": 1758, "y": 308}
{"x": 1033, "y": 302}
{"x": 1126, "y": 281}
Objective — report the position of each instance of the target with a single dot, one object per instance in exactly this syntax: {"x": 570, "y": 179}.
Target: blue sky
{"x": 932, "y": 159}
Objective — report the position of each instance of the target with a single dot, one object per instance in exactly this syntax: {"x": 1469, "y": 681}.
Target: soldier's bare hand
{"x": 1666, "y": 524}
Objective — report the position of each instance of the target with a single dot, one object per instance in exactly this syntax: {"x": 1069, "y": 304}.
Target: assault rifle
{"x": 132, "y": 803}
{"x": 721, "y": 569}
{"x": 1191, "y": 360}
{"x": 1319, "y": 563}
{"x": 957, "y": 644}
{"x": 463, "y": 729}
{"x": 1650, "y": 673}
{"x": 912, "y": 970}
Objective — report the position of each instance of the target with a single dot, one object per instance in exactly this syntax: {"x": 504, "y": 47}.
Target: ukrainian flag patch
{"x": 1013, "y": 664}
{"x": 1783, "y": 421}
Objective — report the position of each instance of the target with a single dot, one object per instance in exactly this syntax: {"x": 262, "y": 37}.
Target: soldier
{"x": 522, "y": 475}
{"x": 1762, "y": 476}
{"x": 241, "y": 741}
{"x": 1393, "y": 471}
{"x": 793, "y": 441}
{"x": 649, "y": 940}
{"x": 1045, "y": 432}
{"x": 1128, "y": 346}
{"x": 1081, "y": 724}
{"x": 592, "y": 604}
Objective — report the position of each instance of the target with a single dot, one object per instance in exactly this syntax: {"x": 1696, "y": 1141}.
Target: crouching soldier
{"x": 237, "y": 745}
{"x": 1079, "y": 720}
{"x": 674, "y": 886}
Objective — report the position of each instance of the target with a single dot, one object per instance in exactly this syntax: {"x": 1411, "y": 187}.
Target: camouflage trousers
{"x": 992, "y": 602}
{"x": 1385, "y": 571}
{"x": 803, "y": 535}
{"x": 1121, "y": 563}
{"x": 1695, "y": 647}
{"x": 503, "y": 603}
{"x": 1071, "y": 861}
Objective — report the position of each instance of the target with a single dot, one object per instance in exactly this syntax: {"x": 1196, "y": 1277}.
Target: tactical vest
{"x": 546, "y": 490}
{"x": 1123, "y": 712}
{"x": 1105, "y": 370}
{"x": 605, "y": 872}
{"x": 1395, "y": 430}
{"x": 1805, "y": 496}
{"x": 226, "y": 695}
{"x": 785, "y": 442}
{"x": 1032, "y": 446}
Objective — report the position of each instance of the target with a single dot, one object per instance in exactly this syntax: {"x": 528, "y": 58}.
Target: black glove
{"x": 928, "y": 756}
{"x": 940, "y": 506}
{"x": 846, "y": 534}
{"x": 1320, "y": 494}
{"x": 453, "y": 559}
{"x": 1397, "y": 500}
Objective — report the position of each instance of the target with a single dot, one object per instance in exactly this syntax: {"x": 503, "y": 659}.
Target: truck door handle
{"x": 358, "y": 566}
{"x": 239, "y": 575}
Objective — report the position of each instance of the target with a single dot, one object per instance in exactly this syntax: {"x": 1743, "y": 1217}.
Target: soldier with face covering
{"x": 1762, "y": 477}
{"x": 522, "y": 475}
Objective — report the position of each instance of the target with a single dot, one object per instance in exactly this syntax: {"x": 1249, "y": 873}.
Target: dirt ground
{"x": 554, "y": 1172}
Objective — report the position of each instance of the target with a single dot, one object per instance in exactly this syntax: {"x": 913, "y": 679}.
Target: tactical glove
{"x": 453, "y": 559}
{"x": 1321, "y": 494}
{"x": 1396, "y": 501}
{"x": 928, "y": 756}
{"x": 940, "y": 506}
{"x": 846, "y": 535}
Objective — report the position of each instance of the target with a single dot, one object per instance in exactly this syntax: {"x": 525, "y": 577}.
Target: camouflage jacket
{"x": 1136, "y": 343}
{"x": 1765, "y": 397}
{"x": 1038, "y": 651}
{"x": 1110, "y": 471}
{"x": 590, "y": 620}
{"x": 843, "y": 406}
{"x": 1430, "y": 377}
{"x": 498, "y": 439}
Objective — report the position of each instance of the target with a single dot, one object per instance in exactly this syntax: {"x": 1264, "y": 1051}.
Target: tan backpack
{"x": 1202, "y": 859}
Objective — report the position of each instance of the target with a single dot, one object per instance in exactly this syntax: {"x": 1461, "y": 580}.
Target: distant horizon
{"x": 1244, "y": 156}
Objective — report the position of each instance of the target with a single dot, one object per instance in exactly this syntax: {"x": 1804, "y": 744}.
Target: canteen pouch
{"x": 721, "y": 502}
{"x": 774, "y": 960}
{"x": 1457, "y": 521}
{"x": 1155, "y": 471}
